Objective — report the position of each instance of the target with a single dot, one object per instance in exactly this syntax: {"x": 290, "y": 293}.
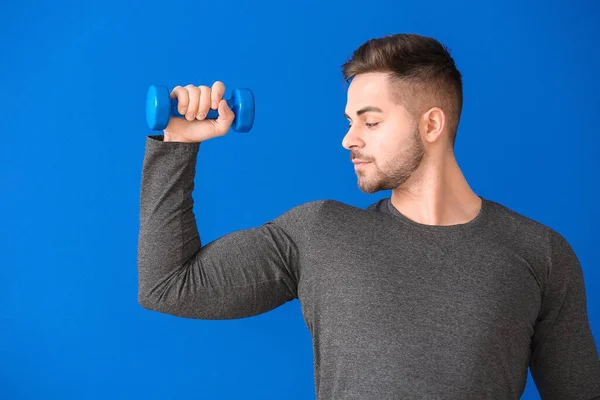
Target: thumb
{"x": 226, "y": 116}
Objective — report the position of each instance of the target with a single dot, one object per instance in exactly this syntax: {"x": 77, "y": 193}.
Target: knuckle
{"x": 206, "y": 95}
{"x": 192, "y": 105}
{"x": 193, "y": 98}
{"x": 193, "y": 92}
{"x": 183, "y": 101}
{"x": 218, "y": 89}
{"x": 178, "y": 92}
{"x": 205, "y": 98}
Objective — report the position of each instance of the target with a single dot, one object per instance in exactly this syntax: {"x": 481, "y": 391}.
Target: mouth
{"x": 359, "y": 162}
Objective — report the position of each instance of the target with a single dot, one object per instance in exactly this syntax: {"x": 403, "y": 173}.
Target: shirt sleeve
{"x": 564, "y": 360}
{"x": 241, "y": 274}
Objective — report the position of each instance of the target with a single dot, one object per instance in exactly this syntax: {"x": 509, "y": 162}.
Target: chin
{"x": 368, "y": 190}
{"x": 370, "y": 186}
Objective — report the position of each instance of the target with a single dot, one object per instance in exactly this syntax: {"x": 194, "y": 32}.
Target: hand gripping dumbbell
{"x": 160, "y": 107}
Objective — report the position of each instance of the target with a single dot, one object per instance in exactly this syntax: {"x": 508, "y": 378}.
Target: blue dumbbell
{"x": 160, "y": 107}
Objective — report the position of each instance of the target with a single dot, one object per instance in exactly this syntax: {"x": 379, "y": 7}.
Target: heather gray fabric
{"x": 396, "y": 309}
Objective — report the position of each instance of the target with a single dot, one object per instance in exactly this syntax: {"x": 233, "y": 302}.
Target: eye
{"x": 367, "y": 124}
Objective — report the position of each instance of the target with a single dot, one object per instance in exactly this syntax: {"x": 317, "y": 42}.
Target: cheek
{"x": 385, "y": 146}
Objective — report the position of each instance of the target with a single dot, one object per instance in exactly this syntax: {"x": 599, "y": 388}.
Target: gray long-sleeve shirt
{"x": 396, "y": 309}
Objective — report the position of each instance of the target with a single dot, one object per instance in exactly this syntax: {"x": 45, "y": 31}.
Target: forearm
{"x": 168, "y": 234}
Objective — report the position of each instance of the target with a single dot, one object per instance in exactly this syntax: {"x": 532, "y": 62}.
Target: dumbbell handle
{"x": 212, "y": 114}
{"x": 160, "y": 107}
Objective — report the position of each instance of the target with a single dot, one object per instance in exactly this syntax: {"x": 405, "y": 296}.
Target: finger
{"x": 218, "y": 91}
{"x": 192, "y": 110}
{"x": 204, "y": 105}
{"x": 225, "y": 111}
{"x": 225, "y": 118}
{"x": 183, "y": 99}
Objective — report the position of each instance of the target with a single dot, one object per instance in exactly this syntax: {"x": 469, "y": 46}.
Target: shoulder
{"x": 321, "y": 208}
{"x": 544, "y": 250}
{"x": 517, "y": 224}
{"x": 533, "y": 237}
{"x": 318, "y": 212}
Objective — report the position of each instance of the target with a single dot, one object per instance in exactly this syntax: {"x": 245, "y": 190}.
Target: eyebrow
{"x": 364, "y": 110}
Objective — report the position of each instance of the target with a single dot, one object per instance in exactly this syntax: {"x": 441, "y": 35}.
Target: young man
{"x": 434, "y": 292}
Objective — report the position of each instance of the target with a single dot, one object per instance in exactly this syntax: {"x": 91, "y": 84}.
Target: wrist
{"x": 169, "y": 137}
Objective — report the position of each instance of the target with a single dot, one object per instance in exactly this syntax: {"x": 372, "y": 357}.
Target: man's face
{"x": 383, "y": 134}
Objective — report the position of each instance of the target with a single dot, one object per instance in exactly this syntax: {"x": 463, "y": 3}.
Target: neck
{"x": 437, "y": 193}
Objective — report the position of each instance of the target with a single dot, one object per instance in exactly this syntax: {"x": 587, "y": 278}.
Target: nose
{"x": 352, "y": 140}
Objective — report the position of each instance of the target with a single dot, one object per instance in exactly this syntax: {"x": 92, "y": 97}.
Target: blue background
{"x": 74, "y": 75}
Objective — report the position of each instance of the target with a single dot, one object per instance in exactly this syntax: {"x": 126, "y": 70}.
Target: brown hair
{"x": 419, "y": 67}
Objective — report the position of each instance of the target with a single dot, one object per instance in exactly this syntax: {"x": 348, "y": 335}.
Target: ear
{"x": 432, "y": 124}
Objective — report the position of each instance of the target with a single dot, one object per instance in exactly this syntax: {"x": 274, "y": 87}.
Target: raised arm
{"x": 241, "y": 274}
{"x": 564, "y": 362}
